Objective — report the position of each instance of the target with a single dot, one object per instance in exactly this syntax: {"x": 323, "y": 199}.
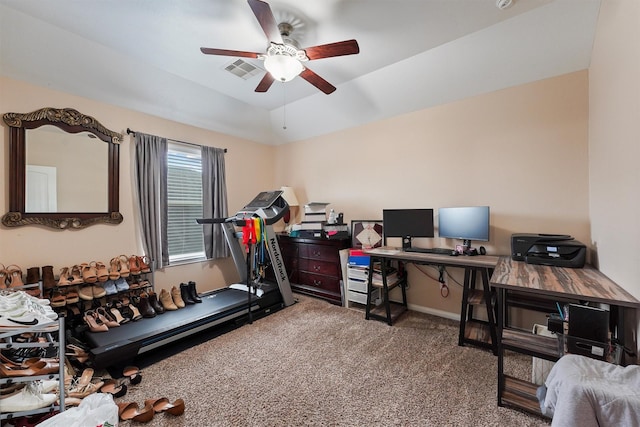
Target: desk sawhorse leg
{"x": 473, "y": 331}
{"x": 390, "y": 310}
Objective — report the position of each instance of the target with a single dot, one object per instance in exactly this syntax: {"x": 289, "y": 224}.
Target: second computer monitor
{"x": 465, "y": 223}
{"x": 407, "y": 223}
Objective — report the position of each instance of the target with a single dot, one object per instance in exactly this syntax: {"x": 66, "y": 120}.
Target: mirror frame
{"x": 71, "y": 121}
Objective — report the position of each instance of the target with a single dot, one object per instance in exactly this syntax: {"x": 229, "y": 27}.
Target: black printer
{"x": 559, "y": 250}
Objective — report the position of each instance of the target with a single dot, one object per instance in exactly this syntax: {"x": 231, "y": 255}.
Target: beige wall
{"x": 614, "y": 142}
{"x": 522, "y": 151}
{"x": 32, "y": 246}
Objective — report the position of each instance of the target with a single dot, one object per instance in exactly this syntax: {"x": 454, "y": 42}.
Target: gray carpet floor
{"x": 317, "y": 364}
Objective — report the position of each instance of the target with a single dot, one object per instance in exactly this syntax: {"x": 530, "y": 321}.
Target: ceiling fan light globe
{"x": 283, "y": 67}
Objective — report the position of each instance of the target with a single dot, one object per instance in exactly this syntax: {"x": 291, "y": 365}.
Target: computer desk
{"x": 553, "y": 284}
{"x": 472, "y": 331}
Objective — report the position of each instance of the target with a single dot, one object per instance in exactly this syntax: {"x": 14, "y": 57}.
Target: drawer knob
{"x": 316, "y": 253}
{"x": 316, "y": 267}
{"x": 317, "y": 282}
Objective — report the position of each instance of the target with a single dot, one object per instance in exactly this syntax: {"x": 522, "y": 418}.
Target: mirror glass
{"x": 65, "y": 172}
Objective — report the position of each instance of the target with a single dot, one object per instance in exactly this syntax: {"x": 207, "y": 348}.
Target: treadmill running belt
{"x": 124, "y": 342}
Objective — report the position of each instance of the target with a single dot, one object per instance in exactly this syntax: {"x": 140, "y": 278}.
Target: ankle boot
{"x": 185, "y": 294}
{"x": 145, "y": 308}
{"x": 153, "y": 301}
{"x": 193, "y": 293}
{"x": 177, "y": 297}
{"x": 33, "y": 276}
{"x": 167, "y": 301}
{"x": 48, "y": 281}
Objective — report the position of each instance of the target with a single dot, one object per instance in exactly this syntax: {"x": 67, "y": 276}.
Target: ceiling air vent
{"x": 242, "y": 69}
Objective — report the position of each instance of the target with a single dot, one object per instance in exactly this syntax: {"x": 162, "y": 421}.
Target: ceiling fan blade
{"x": 265, "y": 18}
{"x": 226, "y": 52}
{"x": 347, "y": 47}
{"x": 317, "y": 81}
{"x": 265, "y": 83}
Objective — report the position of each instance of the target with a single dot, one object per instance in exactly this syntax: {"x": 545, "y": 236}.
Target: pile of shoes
{"x": 18, "y": 309}
{"x": 179, "y": 298}
{"x": 11, "y": 277}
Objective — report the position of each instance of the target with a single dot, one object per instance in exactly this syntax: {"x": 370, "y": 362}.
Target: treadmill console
{"x": 263, "y": 200}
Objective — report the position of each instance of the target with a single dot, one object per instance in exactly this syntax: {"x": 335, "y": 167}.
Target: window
{"x": 184, "y": 202}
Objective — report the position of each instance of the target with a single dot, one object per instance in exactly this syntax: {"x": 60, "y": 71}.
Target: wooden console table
{"x": 555, "y": 284}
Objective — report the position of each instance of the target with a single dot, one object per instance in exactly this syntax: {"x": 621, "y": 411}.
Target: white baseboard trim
{"x": 435, "y": 312}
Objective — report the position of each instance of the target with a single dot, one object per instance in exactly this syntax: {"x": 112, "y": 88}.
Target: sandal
{"x": 3, "y": 277}
{"x": 124, "y": 266}
{"x": 83, "y": 386}
{"x": 134, "y": 265}
{"x": 89, "y": 274}
{"x": 114, "y": 269}
{"x": 145, "y": 264}
{"x": 15, "y": 276}
{"x": 76, "y": 275}
{"x": 64, "y": 277}
{"x": 101, "y": 271}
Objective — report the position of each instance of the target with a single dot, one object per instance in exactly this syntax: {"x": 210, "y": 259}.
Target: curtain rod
{"x": 133, "y": 132}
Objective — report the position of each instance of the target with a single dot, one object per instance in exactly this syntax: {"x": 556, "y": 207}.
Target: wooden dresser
{"x": 313, "y": 265}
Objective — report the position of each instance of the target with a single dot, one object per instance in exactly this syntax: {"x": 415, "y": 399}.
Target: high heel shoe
{"x": 115, "y": 312}
{"x": 106, "y": 318}
{"x": 163, "y": 405}
{"x": 131, "y": 411}
{"x": 83, "y": 386}
{"x": 133, "y": 373}
{"x": 92, "y": 321}
{"x": 113, "y": 387}
{"x": 135, "y": 313}
{"x": 15, "y": 276}
{"x": 37, "y": 368}
{"x": 78, "y": 353}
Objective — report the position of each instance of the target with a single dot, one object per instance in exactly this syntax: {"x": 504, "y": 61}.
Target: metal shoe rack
{"x": 7, "y": 342}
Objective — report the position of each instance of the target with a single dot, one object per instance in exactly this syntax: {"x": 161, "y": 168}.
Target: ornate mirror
{"x": 64, "y": 170}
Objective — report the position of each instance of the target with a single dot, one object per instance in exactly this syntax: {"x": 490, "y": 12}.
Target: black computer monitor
{"x": 464, "y": 223}
{"x": 407, "y": 223}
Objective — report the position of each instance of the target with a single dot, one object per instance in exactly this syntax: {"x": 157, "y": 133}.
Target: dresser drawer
{"x": 321, "y": 252}
{"x": 329, "y": 268}
{"x": 327, "y": 283}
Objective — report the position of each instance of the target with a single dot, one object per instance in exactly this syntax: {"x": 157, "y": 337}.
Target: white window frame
{"x": 191, "y": 152}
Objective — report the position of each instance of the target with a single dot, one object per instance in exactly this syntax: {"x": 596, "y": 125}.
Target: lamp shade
{"x": 290, "y": 196}
{"x": 283, "y": 67}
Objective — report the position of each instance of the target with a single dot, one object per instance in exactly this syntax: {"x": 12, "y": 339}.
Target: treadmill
{"x": 252, "y": 297}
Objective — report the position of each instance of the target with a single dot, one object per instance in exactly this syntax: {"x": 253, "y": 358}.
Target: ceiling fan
{"x": 283, "y": 58}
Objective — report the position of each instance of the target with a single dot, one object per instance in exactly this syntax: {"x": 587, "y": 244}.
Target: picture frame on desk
{"x": 366, "y": 233}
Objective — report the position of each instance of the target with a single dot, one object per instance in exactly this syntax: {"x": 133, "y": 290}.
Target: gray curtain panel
{"x": 214, "y": 201}
{"x": 151, "y": 183}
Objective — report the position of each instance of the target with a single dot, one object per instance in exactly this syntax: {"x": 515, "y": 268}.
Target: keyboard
{"x": 438, "y": 251}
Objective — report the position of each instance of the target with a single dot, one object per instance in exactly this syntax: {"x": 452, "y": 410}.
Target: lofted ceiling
{"x": 144, "y": 55}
